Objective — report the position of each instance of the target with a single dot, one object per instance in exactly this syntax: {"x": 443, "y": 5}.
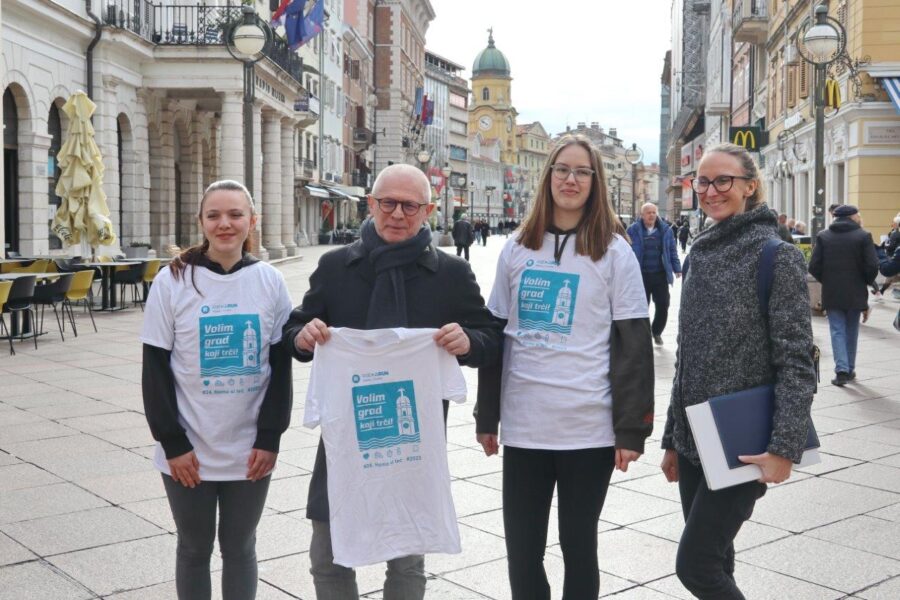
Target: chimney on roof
{"x": 612, "y": 132}
{"x": 581, "y": 125}
{"x": 595, "y": 125}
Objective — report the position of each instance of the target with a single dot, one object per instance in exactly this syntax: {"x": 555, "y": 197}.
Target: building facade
{"x": 534, "y": 145}
{"x": 168, "y": 119}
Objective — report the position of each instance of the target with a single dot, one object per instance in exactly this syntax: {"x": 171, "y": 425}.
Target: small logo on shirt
{"x": 204, "y": 309}
{"x": 356, "y": 379}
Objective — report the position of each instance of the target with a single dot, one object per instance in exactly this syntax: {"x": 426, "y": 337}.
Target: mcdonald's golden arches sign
{"x": 832, "y": 94}
{"x": 750, "y": 138}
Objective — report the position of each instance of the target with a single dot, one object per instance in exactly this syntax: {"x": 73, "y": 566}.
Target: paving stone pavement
{"x": 83, "y": 514}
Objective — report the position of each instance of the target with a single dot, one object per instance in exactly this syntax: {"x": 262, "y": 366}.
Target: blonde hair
{"x": 598, "y": 224}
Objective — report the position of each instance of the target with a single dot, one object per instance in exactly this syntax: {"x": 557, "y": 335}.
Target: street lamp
{"x": 423, "y": 157}
{"x": 823, "y": 43}
{"x": 634, "y": 155}
{"x": 488, "y": 190}
{"x": 247, "y": 40}
{"x": 446, "y": 239}
{"x": 618, "y": 174}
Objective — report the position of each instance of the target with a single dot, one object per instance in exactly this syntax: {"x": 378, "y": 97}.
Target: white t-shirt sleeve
{"x": 312, "y": 415}
{"x": 499, "y": 301}
{"x": 283, "y": 308}
{"x": 627, "y": 297}
{"x": 159, "y": 315}
{"x": 453, "y": 384}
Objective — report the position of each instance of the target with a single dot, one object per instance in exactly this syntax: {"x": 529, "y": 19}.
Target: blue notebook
{"x": 744, "y": 423}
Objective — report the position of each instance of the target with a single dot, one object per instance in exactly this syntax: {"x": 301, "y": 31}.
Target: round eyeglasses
{"x": 409, "y": 209}
{"x": 563, "y": 171}
{"x": 722, "y": 183}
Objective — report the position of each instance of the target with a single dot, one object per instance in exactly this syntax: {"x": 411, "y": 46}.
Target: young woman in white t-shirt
{"x": 575, "y": 392}
{"x": 217, "y": 391}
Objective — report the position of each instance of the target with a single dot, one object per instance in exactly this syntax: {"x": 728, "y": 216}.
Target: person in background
{"x": 845, "y": 262}
{"x": 217, "y": 391}
{"x": 792, "y": 226}
{"x": 783, "y": 232}
{"x": 463, "y": 235}
{"x": 684, "y": 235}
{"x": 654, "y": 246}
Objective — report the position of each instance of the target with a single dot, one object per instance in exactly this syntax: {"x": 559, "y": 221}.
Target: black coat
{"x": 845, "y": 261}
{"x": 440, "y": 289}
{"x": 463, "y": 233}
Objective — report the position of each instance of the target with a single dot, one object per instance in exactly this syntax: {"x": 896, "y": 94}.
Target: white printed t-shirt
{"x": 555, "y": 389}
{"x": 377, "y": 396}
{"x": 220, "y": 357}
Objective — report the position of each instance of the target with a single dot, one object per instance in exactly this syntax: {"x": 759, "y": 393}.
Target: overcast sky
{"x": 571, "y": 60}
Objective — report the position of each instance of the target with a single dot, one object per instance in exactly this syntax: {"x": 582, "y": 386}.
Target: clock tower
{"x": 491, "y": 112}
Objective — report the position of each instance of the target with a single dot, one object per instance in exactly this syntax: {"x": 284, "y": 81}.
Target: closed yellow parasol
{"x": 83, "y": 214}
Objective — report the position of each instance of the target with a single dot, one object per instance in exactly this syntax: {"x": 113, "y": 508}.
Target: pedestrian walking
{"x": 217, "y": 391}
{"x": 684, "y": 234}
{"x": 783, "y": 232}
{"x": 845, "y": 261}
{"x": 477, "y": 228}
{"x": 391, "y": 277}
{"x": 485, "y": 232}
{"x": 654, "y": 246}
{"x": 726, "y": 344}
{"x": 576, "y": 399}
{"x": 463, "y": 236}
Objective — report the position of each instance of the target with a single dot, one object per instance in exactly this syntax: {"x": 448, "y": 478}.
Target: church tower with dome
{"x": 491, "y": 112}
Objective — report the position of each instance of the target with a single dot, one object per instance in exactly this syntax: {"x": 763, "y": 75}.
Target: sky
{"x": 571, "y": 60}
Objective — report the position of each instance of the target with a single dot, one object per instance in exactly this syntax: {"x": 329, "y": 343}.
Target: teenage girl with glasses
{"x": 574, "y": 397}
{"x": 217, "y": 391}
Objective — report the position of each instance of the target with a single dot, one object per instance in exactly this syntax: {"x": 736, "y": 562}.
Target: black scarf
{"x": 387, "y": 306}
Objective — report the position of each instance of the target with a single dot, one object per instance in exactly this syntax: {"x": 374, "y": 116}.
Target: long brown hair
{"x": 751, "y": 170}
{"x": 598, "y": 223}
{"x": 192, "y": 255}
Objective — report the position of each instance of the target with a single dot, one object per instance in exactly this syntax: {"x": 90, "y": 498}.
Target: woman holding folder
{"x": 726, "y": 344}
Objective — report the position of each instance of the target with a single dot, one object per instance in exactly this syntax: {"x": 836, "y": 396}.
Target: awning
{"x": 341, "y": 195}
{"x": 892, "y": 87}
{"x": 317, "y": 192}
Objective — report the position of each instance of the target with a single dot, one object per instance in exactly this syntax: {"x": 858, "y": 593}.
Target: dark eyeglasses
{"x": 722, "y": 183}
{"x": 409, "y": 209}
{"x": 563, "y": 171}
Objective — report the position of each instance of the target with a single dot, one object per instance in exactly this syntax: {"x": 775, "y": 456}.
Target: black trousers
{"x": 657, "y": 286}
{"x": 581, "y": 478}
{"x": 705, "y": 562}
{"x": 460, "y": 248}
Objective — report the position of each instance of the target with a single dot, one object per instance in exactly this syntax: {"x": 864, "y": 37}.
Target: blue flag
{"x": 312, "y": 23}
{"x": 293, "y": 23}
{"x": 420, "y": 97}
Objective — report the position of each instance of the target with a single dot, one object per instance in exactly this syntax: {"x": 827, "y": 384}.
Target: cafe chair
{"x": 5, "y": 287}
{"x": 38, "y": 266}
{"x": 51, "y": 294}
{"x": 20, "y": 301}
{"x": 80, "y": 291}
{"x": 131, "y": 275}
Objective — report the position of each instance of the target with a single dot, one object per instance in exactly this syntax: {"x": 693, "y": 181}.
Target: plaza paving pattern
{"x": 83, "y": 513}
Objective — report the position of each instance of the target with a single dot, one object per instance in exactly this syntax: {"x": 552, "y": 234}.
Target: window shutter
{"x": 792, "y": 87}
{"x": 804, "y": 78}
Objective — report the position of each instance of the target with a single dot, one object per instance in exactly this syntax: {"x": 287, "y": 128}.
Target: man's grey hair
{"x": 415, "y": 176}
{"x": 646, "y": 204}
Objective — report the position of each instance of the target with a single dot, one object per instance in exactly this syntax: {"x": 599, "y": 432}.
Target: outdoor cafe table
{"x": 107, "y": 285}
{"x": 10, "y": 263}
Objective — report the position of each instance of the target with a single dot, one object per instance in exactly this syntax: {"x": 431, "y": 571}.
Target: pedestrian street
{"x": 83, "y": 513}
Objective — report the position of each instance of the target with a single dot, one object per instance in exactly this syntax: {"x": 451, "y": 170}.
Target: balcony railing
{"x": 190, "y": 25}
{"x": 363, "y": 137}
{"x": 306, "y": 168}
{"x": 750, "y": 22}
{"x": 359, "y": 179}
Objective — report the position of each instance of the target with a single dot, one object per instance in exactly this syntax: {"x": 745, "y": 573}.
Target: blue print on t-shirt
{"x": 385, "y": 414}
{"x": 229, "y": 345}
{"x": 547, "y": 300}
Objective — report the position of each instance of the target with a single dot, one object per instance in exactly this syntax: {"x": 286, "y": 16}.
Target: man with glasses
{"x": 391, "y": 277}
{"x": 654, "y": 245}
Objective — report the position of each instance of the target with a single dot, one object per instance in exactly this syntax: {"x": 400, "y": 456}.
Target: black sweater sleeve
{"x": 160, "y": 403}
{"x": 631, "y": 379}
{"x": 487, "y": 405}
{"x": 275, "y": 412}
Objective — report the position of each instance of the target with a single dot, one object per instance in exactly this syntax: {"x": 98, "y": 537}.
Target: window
{"x": 354, "y": 70}
{"x": 457, "y": 101}
{"x": 457, "y": 127}
{"x": 485, "y": 94}
{"x": 457, "y": 153}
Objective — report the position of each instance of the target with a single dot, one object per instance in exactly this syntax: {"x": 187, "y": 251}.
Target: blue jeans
{"x": 844, "y": 325}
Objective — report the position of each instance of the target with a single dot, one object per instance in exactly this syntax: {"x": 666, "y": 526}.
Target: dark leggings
{"x": 712, "y": 519}
{"x": 656, "y": 285}
{"x": 581, "y": 478}
{"x": 240, "y": 506}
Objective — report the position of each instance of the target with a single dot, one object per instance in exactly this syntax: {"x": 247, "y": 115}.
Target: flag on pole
{"x": 277, "y": 19}
{"x": 428, "y": 112}
{"x": 420, "y": 97}
{"x": 294, "y": 23}
{"x": 312, "y": 24}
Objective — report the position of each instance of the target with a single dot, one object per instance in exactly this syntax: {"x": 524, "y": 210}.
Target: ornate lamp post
{"x": 823, "y": 43}
{"x": 634, "y": 155}
{"x": 247, "y": 40}
{"x": 446, "y": 239}
{"x": 618, "y": 174}
{"x": 488, "y": 190}
{"x": 424, "y": 156}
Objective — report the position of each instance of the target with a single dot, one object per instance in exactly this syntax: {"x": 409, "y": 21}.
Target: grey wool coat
{"x": 726, "y": 344}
